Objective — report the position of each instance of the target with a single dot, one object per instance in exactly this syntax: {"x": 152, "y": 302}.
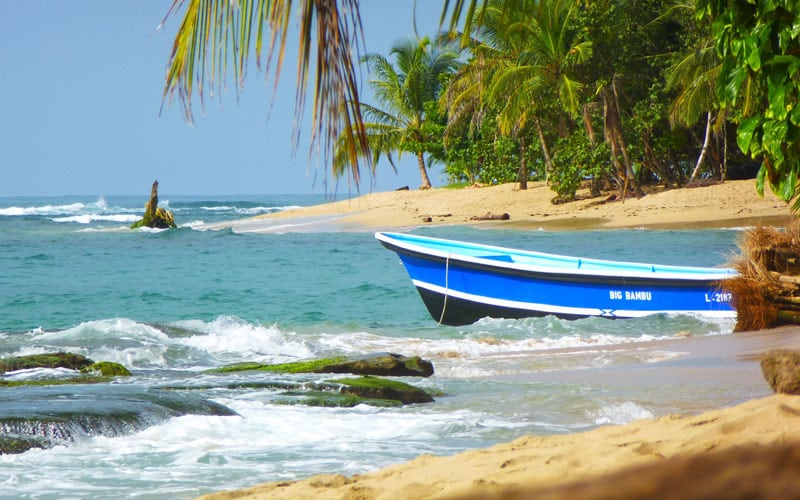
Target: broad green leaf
{"x": 745, "y": 132}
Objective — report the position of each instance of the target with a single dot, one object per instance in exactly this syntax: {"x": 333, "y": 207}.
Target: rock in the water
{"x": 781, "y": 368}
{"x": 107, "y": 369}
{"x": 380, "y": 388}
{"x": 48, "y": 360}
{"x": 382, "y": 364}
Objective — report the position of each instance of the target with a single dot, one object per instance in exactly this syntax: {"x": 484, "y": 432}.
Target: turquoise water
{"x": 170, "y": 304}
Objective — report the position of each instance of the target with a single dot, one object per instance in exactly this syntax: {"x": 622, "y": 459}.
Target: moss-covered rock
{"x": 107, "y": 369}
{"x": 380, "y": 388}
{"x": 332, "y": 399}
{"x": 380, "y": 364}
{"x": 48, "y": 360}
{"x": 310, "y": 366}
{"x": 20, "y": 444}
{"x": 90, "y": 372}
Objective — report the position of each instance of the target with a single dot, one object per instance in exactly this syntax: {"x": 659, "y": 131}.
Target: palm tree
{"x": 216, "y": 37}
{"x": 404, "y": 90}
{"x": 526, "y": 53}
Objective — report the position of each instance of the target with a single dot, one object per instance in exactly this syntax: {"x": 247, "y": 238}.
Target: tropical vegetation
{"x": 611, "y": 94}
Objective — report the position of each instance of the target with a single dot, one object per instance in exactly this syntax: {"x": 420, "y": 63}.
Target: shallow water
{"x": 171, "y": 304}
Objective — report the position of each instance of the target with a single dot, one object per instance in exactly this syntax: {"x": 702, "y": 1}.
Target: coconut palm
{"x": 216, "y": 38}
{"x": 404, "y": 90}
{"x": 526, "y": 53}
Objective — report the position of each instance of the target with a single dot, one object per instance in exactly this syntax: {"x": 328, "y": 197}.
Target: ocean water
{"x": 170, "y": 304}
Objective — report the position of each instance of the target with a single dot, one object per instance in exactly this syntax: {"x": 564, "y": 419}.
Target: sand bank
{"x": 732, "y": 204}
{"x": 619, "y": 456}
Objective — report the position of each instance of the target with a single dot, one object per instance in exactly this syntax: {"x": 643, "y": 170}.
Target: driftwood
{"x": 155, "y": 216}
{"x": 767, "y": 291}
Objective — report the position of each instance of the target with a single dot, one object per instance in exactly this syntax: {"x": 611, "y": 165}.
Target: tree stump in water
{"x": 155, "y": 216}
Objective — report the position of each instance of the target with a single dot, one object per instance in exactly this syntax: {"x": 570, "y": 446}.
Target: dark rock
{"x": 382, "y": 364}
{"x": 49, "y": 360}
{"x": 379, "y": 388}
{"x": 781, "y": 368}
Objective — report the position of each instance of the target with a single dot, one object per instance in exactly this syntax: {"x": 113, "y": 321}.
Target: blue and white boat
{"x": 462, "y": 282}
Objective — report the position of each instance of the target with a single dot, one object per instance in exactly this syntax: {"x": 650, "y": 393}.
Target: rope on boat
{"x": 446, "y": 286}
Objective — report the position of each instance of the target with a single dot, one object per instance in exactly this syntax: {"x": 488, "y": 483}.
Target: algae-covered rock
{"x": 309, "y": 366}
{"x": 332, "y": 398}
{"x": 107, "y": 369}
{"x": 380, "y": 388}
{"x": 48, "y": 360}
{"x": 381, "y": 364}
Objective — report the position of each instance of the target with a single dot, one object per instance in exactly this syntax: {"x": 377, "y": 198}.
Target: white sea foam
{"x": 38, "y": 374}
{"x": 43, "y": 210}
{"x": 231, "y": 339}
{"x": 89, "y": 218}
{"x": 620, "y": 414}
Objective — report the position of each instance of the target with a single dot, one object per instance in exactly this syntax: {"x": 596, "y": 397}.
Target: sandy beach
{"x": 742, "y": 448}
{"x": 732, "y": 204}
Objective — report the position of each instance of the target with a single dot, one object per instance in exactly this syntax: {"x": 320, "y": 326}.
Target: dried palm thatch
{"x": 767, "y": 291}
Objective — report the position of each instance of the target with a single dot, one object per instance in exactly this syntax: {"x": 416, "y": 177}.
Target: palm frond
{"x": 215, "y": 37}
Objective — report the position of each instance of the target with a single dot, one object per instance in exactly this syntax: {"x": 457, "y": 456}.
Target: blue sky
{"x": 81, "y": 84}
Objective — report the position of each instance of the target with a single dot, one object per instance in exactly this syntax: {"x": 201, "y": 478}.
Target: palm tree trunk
{"x": 704, "y": 151}
{"x": 523, "y": 165}
{"x": 548, "y": 161}
{"x": 423, "y": 172}
{"x": 587, "y": 123}
{"x": 624, "y": 147}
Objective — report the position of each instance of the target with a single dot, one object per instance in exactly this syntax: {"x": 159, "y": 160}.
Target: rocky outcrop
{"x": 379, "y": 388}
{"x": 379, "y": 364}
{"x": 48, "y": 360}
{"x": 369, "y": 389}
{"x": 107, "y": 369}
{"x": 781, "y": 368}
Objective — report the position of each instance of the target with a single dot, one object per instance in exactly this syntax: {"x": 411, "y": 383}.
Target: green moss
{"x": 372, "y": 383}
{"x": 107, "y": 369}
{"x": 311, "y": 366}
{"x": 47, "y": 360}
{"x": 380, "y": 388}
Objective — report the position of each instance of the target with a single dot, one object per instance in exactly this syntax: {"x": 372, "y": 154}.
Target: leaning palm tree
{"x": 216, "y": 38}
{"x": 538, "y": 69}
{"x": 404, "y": 89}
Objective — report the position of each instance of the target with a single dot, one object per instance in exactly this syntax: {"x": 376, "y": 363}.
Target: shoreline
{"x": 732, "y": 204}
{"x": 533, "y": 465}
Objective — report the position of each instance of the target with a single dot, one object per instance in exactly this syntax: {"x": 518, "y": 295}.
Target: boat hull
{"x": 461, "y": 283}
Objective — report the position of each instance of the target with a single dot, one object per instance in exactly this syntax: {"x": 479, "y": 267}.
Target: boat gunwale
{"x": 661, "y": 274}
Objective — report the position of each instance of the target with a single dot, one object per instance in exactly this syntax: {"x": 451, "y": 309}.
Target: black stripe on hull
{"x": 460, "y": 312}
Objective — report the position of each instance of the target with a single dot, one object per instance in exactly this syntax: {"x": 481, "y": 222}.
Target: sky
{"x": 81, "y": 84}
